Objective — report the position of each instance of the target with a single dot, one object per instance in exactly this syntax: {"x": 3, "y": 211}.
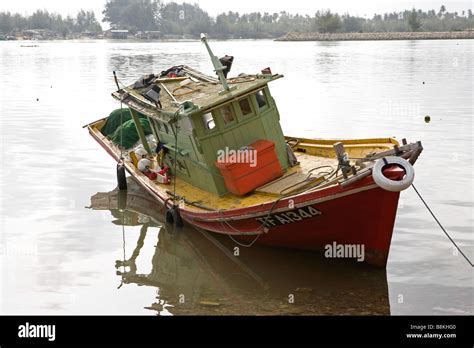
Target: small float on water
{"x": 212, "y": 151}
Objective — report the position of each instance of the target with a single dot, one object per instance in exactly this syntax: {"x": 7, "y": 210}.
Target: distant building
{"x": 119, "y": 33}
{"x": 153, "y": 34}
{"x": 148, "y": 35}
{"x": 89, "y": 34}
{"x": 39, "y": 34}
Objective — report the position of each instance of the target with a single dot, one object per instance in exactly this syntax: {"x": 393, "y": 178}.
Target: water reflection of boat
{"x": 195, "y": 273}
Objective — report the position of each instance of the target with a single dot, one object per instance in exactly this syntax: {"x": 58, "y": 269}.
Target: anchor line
{"x": 259, "y": 231}
{"x": 441, "y": 226}
{"x": 175, "y": 156}
{"x": 121, "y": 117}
{"x": 123, "y": 240}
{"x": 123, "y": 243}
{"x": 121, "y": 131}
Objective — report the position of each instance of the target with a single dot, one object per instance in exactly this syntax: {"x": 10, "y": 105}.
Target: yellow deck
{"x": 310, "y": 153}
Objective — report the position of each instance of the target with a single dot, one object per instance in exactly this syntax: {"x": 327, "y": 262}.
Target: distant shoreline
{"x": 292, "y": 36}
{"x": 452, "y": 35}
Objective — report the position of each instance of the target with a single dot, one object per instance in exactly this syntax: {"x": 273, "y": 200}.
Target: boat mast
{"x": 218, "y": 67}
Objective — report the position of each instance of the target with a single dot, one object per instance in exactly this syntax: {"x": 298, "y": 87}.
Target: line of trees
{"x": 42, "y": 19}
{"x": 190, "y": 20}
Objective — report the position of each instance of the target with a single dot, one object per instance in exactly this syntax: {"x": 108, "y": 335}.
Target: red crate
{"x": 242, "y": 178}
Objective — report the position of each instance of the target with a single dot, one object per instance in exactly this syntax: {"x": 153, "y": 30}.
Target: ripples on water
{"x": 56, "y": 257}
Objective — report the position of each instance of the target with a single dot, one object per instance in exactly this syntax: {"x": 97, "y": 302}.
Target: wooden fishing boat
{"x": 220, "y": 161}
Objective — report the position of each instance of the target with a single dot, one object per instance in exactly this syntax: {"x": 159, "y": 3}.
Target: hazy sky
{"x": 356, "y": 7}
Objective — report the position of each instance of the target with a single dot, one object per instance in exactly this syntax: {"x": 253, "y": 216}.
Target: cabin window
{"x": 227, "y": 114}
{"x": 208, "y": 121}
{"x": 261, "y": 99}
{"x": 245, "y": 106}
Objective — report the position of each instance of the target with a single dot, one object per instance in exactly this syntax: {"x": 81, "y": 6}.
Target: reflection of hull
{"x": 134, "y": 200}
{"x": 203, "y": 270}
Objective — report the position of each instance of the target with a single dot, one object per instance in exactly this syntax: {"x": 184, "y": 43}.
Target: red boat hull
{"x": 364, "y": 218}
{"x": 362, "y": 214}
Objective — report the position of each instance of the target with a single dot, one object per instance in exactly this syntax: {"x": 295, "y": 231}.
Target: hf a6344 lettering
{"x": 289, "y": 217}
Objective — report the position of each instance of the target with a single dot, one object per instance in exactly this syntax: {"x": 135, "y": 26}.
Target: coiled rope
{"x": 259, "y": 231}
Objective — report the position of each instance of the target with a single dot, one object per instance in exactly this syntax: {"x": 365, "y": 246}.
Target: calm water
{"x": 60, "y": 253}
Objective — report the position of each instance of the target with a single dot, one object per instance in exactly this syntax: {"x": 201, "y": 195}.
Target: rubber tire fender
{"x": 173, "y": 217}
{"x": 121, "y": 177}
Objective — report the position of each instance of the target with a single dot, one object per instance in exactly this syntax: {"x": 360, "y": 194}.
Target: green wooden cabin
{"x": 197, "y": 118}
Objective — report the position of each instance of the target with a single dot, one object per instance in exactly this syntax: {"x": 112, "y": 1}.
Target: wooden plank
{"x": 141, "y": 132}
{"x": 169, "y": 93}
{"x": 153, "y": 128}
{"x": 287, "y": 184}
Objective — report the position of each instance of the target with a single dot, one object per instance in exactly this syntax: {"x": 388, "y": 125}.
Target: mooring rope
{"x": 117, "y": 82}
{"x": 121, "y": 132}
{"x": 441, "y": 226}
{"x": 259, "y": 231}
{"x": 123, "y": 240}
{"x": 123, "y": 245}
{"x": 176, "y": 126}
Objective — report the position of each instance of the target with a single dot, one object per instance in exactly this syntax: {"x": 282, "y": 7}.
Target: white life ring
{"x": 392, "y": 185}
